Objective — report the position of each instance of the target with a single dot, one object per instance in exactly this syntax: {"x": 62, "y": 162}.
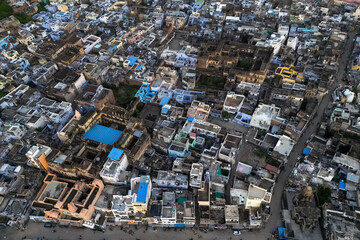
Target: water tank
{"x": 349, "y": 96}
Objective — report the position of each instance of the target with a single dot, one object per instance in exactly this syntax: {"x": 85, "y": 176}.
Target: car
{"x": 48, "y": 225}
{"x": 298, "y": 158}
{"x": 236, "y": 233}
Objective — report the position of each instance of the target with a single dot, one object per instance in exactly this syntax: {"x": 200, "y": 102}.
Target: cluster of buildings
{"x": 175, "y": 113}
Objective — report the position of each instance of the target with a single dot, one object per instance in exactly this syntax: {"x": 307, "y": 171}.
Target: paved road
{"x": 37, "y": 230}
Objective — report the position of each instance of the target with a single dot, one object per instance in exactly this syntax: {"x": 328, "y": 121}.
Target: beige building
{"x": 68, "y": 200}
{"x": 256, "y": 196}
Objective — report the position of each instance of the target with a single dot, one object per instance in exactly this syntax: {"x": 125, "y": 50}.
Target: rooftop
{"x": 102, "y": 134}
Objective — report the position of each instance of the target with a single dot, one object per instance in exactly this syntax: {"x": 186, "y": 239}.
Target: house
{"x": 232, "y": 215}
{"x": 196, "y": 175}
{"x": 140, "y": 192}
{"x": 37, "y": 156}
{"x": 256, "y": 196}
{"x": 263, "y": 115}
{"x": 115, "y": 165}
{"x": 229, "y": 148}
{"x": 283, "y": 147}
{"x": 233, "y": 102}
{"x": 168, "y": 179}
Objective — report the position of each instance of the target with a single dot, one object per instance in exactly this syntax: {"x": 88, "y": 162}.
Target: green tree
{"x": 23, "y": 18}
{"x": 41, "y": 6}
{"x": 5, "y": 10}
{"x": 225, "y": 115}
{"x": 323, "y": 194}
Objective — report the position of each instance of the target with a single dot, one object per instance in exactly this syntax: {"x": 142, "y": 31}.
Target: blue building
{"x": 145, "y": 94}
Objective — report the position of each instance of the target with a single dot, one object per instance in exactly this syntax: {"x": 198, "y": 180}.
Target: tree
{"x": 23, "y": 18}
{"x": 225, "y": 115}
{"x": 5, "y": 10}
{"x": 323, "y": 194}
{"x": 41, "y": 6}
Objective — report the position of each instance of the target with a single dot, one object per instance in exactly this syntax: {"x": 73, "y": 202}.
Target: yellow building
{"x": 288, "y": 74}
{"x": 141, "y": 191}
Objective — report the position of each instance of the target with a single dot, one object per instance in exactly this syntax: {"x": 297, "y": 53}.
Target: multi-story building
{"x": 233, "y": 102}
{"x": 198, "y": 110}
{"x": 141, "y": 191}
{"x": 115, "y": 164}
{"x": 66, "y": 200}
{"x": 37, "y": 156}
{"x": 196, "y": 173}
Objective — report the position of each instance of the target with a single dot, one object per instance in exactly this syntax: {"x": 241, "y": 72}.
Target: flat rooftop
{"x": 102, "y": 134}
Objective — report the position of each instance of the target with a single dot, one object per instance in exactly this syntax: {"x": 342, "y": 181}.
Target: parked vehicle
{"x": 236, "y": 233}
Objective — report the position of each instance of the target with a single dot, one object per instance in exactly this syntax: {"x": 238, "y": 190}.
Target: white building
{"x": 284, "y": 146}
{"x": 263, "y": 115}
{"x": 233, "y": 102}
{"x": 121, "y": 207}
{"x": 89, "y": 42}
{"x": 229, "y": 148}
{"x": 196, "y": 173}
{"x": 116, "y": 164}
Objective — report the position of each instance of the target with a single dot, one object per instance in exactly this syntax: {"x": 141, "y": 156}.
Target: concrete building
{"x": 256, "y": 196}
{"x": 115, "y": 165}
{"x": 232, "y": 214}
{"x": 67, "y": 200}
{"x": 122, "y": 209}
{"x": 140, "y": 192}
{"x": 168, "y": 179}
{"x": 233, "y": 102}
{"x": 229, "y": 148}
{"x": 198, "y": 110}
{"x": 196, "y": 175}
{"x": 263, "y": 115}
{"x": 37, "y": 156}
{"x": 283, "y": 147}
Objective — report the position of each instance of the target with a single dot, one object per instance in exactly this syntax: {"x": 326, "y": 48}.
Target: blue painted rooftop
{"x": 281, "y": 232}
{"x": 112, "y": 47}
{"x": 306, "y": 151}
{"x": 142, "y": 192}
{"x": 132, "y": 60}
{"x": 164, "y": 110}
{"x": 164, "y": 101}
{"x": 342, "y": 185}
{"x": 103, "y": 134}
{"x": 139, "y": 67}
{"x": 115, "y": 154}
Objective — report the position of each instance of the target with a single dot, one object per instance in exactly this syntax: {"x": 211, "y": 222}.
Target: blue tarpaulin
{"x": 179, "y": 225}
{"x": 164, "y": 101}
{"x": 115, "y": 154}
{"x": 142, "y": 192}
{"x": 190, "y": 119}
{"x": 306, "y": 151}
{"x": 139, "y": 67}
{"x": 132, "y": 60}
{"x": 102, "y": 134}
{"x": 281, "y": 233}
{"x": 164, "y": 110}
{"x": 112, "y": 47}
{"x": 342, "y": 185}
